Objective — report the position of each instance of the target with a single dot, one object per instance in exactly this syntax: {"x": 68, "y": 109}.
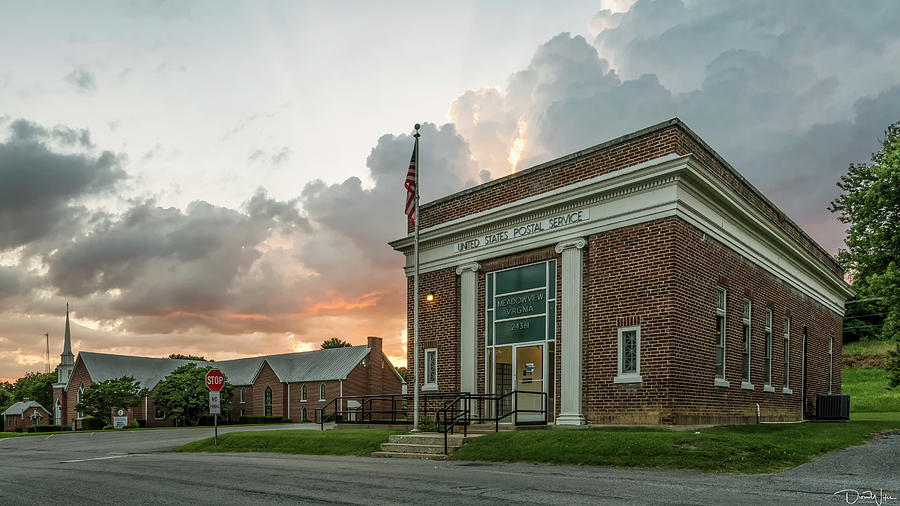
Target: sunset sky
{"x": 222, "y": 178}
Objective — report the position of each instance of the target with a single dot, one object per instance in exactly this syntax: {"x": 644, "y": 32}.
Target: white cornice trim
{"x": 673, "y": 186}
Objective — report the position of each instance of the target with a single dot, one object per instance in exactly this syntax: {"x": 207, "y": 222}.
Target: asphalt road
{"x": 135, "y": 467}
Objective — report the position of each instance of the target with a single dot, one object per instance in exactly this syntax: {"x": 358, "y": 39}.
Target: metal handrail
{"x": 463, "y": 415}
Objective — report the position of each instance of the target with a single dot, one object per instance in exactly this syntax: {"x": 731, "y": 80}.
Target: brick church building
{"x": 290, "y": 385}
{"x": 639, "y": 281}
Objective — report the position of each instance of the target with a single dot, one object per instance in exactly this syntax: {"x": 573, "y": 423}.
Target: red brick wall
{"x": 702, "y": 265}
{"x": 438, "y": 327}
{"x": 662, "y": 276}
{"x": 332, "y": 390}
{"x": 267, "y": 378}
{"x": 79, "y": 376}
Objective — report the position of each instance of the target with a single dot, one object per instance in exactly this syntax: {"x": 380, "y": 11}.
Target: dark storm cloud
{"x": 261, "y": 207}
{"x": 40, "y": 186}
{"x": 9, "y": 283}
{"x": 83, "y": 80}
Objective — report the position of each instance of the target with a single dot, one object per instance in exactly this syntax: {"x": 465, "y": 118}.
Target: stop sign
{"x": 215, "y": 380}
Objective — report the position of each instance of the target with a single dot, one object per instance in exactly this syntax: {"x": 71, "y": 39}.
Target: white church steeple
{"x": 67, "y": 359}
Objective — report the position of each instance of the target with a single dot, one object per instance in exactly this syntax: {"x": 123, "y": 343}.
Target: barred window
{"x": 629, "y": 355}
{"x": 431, "y": 368}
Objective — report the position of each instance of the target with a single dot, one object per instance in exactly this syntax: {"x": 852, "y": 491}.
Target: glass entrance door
{"x": 529, "y": 383}
{"x": 503, "y": 380}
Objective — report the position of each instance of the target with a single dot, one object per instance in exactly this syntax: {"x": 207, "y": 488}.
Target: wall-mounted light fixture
{"x": 429, "y": 297}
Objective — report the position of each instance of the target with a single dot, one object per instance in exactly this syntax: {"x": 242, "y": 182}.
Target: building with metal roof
{"x": 290, "y": 385}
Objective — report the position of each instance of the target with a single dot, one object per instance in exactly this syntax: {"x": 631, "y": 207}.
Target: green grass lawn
{"x": 868, "y": 390}
{"x": 308, "y": 442}
{"x": 754, "y": 448}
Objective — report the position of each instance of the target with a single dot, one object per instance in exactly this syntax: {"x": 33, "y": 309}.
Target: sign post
{"x": 215, "y": 380}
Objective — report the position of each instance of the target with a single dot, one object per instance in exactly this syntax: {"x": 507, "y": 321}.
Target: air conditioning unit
{"x": 832, "y": 407}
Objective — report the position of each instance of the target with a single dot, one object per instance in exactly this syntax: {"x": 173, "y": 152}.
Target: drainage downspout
{"x": 341, "y": 403}
{"x": 289, "y": 402}
{"x": 146, "y": 417}
{"x": 757, "y": 412}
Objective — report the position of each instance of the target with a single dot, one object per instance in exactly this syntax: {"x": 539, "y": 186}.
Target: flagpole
{"x": 416, "y": 295}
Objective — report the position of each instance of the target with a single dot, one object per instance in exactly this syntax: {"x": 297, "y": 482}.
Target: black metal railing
{"x": 450, "y": 410}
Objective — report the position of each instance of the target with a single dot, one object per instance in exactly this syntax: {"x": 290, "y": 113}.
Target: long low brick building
{"x": 290, "y": 385}
{"x": 639, "y": 281}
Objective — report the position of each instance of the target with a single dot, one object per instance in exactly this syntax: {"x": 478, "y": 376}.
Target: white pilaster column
{"x": 570, "y": 332}
{"x": 468, "y": 344}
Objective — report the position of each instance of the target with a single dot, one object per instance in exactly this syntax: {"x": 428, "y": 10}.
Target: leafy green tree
{"x": 893, "y": 366}
{"x": 185, "y": 357}
{"x": 335, "y": 343}
{"x": 35, "y": 386}
{"x": 6, "y": 396}
{"x": 403, "y": 371}
{"x": 183, "y": 393}
{"x": 870, "y": 204}
{"x": 101, "y": 398}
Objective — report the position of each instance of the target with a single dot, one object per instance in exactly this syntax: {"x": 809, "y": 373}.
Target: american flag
{"x": 411, "y": 186}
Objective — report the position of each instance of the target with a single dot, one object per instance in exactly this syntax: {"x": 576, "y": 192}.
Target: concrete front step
{"x": 424, "y": 456}
{"x": 421, "y": 449}
{"x": 428, "y": 439}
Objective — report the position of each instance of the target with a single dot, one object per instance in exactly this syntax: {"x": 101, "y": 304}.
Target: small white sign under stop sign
{"x": 215, "y": 407}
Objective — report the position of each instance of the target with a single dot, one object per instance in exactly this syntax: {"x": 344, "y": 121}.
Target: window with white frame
{"x": 768, "y": 364}
{"x": 303, "y": 416}
{"x": 629, "y": 370}
{"x": 830, "y": 362}
{"x": 242, "y": 396}
{"x": 242, "y": 412}
{"x": 745, "y": 352}
{"x": 787, "y": 351}
{"x": 157, "y": 413}
{"x": 721, "y": 296}
{"x": 78, "y": 398}
{"x": 430, "y": 369}
{"x": 303, "y": 393}
{"x": 322, "y": 391}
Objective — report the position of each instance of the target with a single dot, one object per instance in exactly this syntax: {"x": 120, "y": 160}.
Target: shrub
{"x": 272, "y": 419}
{"x": 287, "y": 420}
{"x": 142, "y": 424}
{"x": 91, "y": 423}
{"x": 134, "y": 424}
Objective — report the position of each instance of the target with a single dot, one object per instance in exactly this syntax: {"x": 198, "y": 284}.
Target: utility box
{"x": 832, "y": 407}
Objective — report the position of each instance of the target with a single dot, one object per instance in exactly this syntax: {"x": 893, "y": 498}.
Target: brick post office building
{"x": 642, "y": 280}
{"x": 290, "y": 385}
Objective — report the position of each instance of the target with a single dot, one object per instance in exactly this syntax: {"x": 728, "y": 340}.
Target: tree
{"x": 101, "y": 398}
{"x": 179, "y": 356}
{"x": 870, "y": 204}
{"x": 893, "y": 366}
{"x": 335, "y": 343}
{"x": 37, "y": 387}
{"x": 183, "y": 393}
{"x": 6, "y": 395}
{"x": 403, "y": 372}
